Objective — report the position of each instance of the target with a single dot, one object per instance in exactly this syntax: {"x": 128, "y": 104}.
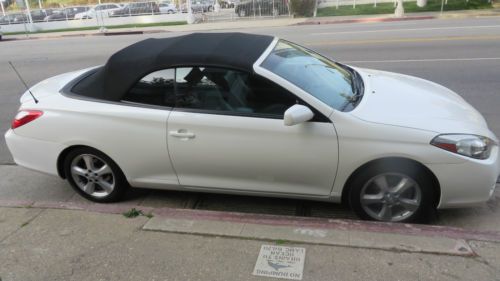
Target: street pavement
{"x": 43, "y": 244}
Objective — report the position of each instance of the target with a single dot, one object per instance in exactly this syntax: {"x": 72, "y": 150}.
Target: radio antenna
{"x": 24, "y": 83}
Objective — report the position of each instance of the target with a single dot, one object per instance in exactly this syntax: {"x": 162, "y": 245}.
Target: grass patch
{"x": 133, "y": 213}
{"x": 410, "y": 7}
{"x": 281, "y": 242}
{"x": 96, "y": 28}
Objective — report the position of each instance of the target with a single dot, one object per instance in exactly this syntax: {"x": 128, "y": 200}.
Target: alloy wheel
{"x": 92, "y": 175}
{"x": 391, "y": 197}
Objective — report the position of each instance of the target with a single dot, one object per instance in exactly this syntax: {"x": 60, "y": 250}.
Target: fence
{"x": 248, "y": 9}
{"x": 106, "y": 14}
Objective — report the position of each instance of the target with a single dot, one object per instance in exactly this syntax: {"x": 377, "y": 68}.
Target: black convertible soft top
{"x": 127, "y": 66}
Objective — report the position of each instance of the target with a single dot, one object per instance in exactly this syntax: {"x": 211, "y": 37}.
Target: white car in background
{"x": 255, "y": 115}
{"x": 167, "y": 8}
{"x": 100, "y": 11}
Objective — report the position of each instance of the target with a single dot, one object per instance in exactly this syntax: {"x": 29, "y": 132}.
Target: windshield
{"x": 336, "y": 85}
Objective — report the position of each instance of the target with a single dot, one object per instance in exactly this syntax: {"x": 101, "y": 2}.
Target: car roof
{"x": 124, "y": 68}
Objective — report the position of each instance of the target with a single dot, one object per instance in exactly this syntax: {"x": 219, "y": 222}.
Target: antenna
{"x": 24, "y": 83}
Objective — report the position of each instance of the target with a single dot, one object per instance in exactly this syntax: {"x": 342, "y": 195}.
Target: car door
{"x": 142, "y": 139}
{"x": 227, "y": 132}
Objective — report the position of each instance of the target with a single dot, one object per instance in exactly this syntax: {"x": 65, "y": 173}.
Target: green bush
{"x": 302, "y": 8}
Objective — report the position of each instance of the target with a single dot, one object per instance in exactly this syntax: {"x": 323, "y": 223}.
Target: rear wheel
{"x": 392, "y": 193}
{"x": 94, "y": 175}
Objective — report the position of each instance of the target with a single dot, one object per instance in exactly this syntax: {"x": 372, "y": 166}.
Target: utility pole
{"x": 3, "y": 9}
{"x": 190, "y": 16}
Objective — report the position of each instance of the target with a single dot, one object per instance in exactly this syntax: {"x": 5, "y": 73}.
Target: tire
{"x": 415, "y": 201}
{"x": 96, "y": 183}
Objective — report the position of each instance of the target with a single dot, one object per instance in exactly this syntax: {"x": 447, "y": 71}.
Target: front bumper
{"x": 32, "y": 153}
{"x": 467, "y": 183}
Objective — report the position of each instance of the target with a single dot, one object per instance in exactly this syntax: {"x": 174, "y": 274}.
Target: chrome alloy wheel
{"x": 92, "y": 175}
{"x": 390, "y": 197}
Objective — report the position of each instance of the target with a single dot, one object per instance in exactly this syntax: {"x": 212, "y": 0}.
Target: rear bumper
{"x": 467, "y": 183}
{"x": 32, "y": 153}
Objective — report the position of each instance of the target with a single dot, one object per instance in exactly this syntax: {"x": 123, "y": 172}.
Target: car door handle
{"x": 183, "y": 134}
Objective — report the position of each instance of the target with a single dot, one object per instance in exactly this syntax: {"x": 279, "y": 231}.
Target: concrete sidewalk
{"x": 47, "y": 244}
{"x": 265, "y": 23}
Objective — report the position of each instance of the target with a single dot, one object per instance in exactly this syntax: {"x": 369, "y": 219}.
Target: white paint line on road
{"x": 419, "y": 60}
{"x": 406, "y": 29}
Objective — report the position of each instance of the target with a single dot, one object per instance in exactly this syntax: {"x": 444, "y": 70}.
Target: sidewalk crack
{"x": 21, "y": 227}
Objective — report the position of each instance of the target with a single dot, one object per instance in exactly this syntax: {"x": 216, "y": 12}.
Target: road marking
{"x": 421, "y": 60}
{"x": 405, "y": 29}
{"x": 406, "y": 40}
{"x": 280, "y": 262}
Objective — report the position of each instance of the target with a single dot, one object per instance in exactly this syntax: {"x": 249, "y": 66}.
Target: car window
{"x": 320, "y": 77}
{"x": 156, "y": 88}
{"x": 231, "y": 91}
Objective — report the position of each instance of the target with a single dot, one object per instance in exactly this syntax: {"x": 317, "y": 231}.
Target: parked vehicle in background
{"x": 7, "y": 19}
{"x": 262, "y": 7}
{"x": 100, "y": 10}
{"x": 19, "y": 18}
{"x": 167, "y": 7}
{"x": 41, "y": 14}
{"x": 1, "y": 34}
{"x": 202, "y": 6}
{"x": 67, "y": 13}
{"x": 226, "y": 4}
{"x": 135, "y": 9}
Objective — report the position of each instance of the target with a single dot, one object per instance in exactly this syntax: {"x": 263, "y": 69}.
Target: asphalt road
{"x": 463, "y": 55}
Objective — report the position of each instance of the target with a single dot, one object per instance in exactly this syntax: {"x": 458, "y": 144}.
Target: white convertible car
{"x": 256, "y": 115}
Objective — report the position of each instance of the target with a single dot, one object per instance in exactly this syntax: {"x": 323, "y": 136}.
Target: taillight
{"x": 24, "y": 117}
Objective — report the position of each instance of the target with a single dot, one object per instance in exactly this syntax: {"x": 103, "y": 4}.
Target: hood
{"x": 407, "y": 101}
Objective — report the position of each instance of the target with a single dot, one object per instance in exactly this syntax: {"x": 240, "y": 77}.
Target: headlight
{"x": 473, "y": 146}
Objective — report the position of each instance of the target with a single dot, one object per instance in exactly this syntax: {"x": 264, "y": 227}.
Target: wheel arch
{"x": 64, "y": 153}
{"x": 392, "y": 161}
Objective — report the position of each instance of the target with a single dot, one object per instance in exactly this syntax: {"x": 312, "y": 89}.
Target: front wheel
{"x": 94, "y": 175}
{"x": 392, "y": 193}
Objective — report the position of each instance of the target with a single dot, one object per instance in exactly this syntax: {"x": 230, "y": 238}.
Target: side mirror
{"x": 297, "y": 114}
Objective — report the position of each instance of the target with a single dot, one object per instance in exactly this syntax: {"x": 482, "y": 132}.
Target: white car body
{"x": 167, "y": 8}
{"x": 100, "y": 11}
{"x": 271, "y": 164}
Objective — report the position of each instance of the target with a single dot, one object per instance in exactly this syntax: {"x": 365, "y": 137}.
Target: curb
{"x": 117, "y": 33}
{"x": 269, "y": 220}
{"x": 366, "y": 20}
{"x": 316, "y": 236}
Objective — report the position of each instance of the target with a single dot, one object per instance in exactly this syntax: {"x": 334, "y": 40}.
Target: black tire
{"x": 415, "y": 175}
{"x": 119, "y": 180}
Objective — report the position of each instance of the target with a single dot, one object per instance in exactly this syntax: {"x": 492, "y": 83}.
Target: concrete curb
{"x": 415, "y": 230}
{"x": 55, "y": 35}
{"x": 317, "y": 236}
